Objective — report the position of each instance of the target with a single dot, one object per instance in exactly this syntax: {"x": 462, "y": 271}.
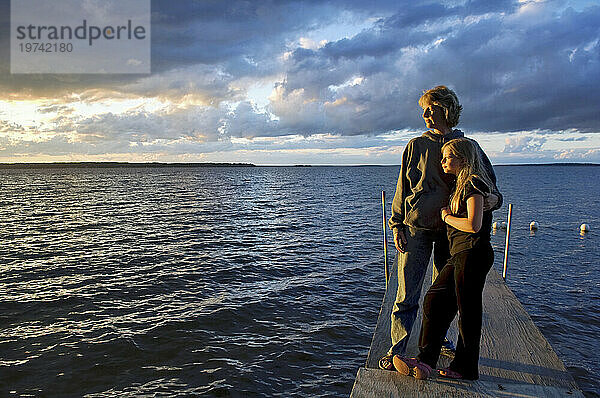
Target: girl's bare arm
{"x": 471, "y": 223}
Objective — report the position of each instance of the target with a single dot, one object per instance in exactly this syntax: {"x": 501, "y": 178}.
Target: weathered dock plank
{"x": 515, "y": 360}
{"x": 380, "y": 383}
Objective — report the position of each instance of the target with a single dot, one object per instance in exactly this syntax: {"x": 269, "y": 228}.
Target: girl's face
{"x": 451, "y": 164}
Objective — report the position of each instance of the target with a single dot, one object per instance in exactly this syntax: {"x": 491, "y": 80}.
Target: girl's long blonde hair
{"x": 469, "y": 153}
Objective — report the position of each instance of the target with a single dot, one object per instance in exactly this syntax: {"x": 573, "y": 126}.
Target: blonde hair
{"x": 469, "y": 153}
{"x": 444, "y": 97}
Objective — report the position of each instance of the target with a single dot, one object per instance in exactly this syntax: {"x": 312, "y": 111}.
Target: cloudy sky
{"x": 310, "y": 82}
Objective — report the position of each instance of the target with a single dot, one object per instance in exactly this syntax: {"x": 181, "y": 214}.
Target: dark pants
{"x": 458, "y": 287}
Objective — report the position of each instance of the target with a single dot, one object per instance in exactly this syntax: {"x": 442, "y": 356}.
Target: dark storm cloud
{"x": 521, "y": 74}
{"x": 573, "y": 139}
{"x": 523, "y": 69}
{"x": 241, "y": 38}
{"x": 514, "y": 66}
{"x": 247, "y": 121}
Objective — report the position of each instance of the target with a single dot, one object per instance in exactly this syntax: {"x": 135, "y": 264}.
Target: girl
{"x": 459, "y": 286}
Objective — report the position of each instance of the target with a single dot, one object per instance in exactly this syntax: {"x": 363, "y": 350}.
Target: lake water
{"x": 263, "y": 281}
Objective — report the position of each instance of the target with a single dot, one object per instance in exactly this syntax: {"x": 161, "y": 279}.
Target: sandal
{"x": 386, "y": 363}
{"x": 412, "y": 367}
{"x": 449, "y": 373}
{"x": 448, "y": 349}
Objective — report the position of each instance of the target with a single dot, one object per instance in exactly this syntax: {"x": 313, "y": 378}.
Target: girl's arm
{"x": 471, "y": 223}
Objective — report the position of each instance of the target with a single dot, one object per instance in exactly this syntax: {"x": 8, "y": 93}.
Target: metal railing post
{"x": 385, "y": 262}
{"x": 507, "y": 241}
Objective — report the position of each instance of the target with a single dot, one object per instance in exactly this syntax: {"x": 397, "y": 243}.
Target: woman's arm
{"x": 471, "y": 223}
{"x": 402, "y": 190}
{"x": 396, "y": 222}
{"x": 490, "y": 170}
{"x": 490, "y": 201}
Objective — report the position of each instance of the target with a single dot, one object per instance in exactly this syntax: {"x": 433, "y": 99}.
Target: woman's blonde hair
{"x": 444, "y": 97}
{"x": 469, "y": 153}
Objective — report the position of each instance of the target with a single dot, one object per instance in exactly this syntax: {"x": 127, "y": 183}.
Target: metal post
{"x": 385, "y": 264}
{"x": 507, "y": 241}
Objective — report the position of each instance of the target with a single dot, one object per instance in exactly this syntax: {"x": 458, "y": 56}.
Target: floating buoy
{"x": 584, "y": 228}
{"x": 496, "y": 225}
{"x": 533, "y": 226}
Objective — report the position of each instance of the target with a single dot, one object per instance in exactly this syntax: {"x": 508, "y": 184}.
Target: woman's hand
{"x": 490, "y": 201}
{"x": 399, "y": 239}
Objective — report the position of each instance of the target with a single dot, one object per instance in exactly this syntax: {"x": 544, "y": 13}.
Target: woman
{"x": 459, "y": 286}
{"x": 422, "y": 190}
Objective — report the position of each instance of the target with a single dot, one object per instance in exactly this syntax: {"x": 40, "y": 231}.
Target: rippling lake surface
{"x": 252, "y": 281}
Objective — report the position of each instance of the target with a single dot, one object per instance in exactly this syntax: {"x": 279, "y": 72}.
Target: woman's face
{"x": 434, "y": 117}
{"x": 451, "y": 164}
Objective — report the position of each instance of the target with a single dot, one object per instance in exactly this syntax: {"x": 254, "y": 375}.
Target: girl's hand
{"x": 445, "y": 212}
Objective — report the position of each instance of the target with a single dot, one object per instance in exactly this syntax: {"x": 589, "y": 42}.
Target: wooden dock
{"x": 515, "y": 360}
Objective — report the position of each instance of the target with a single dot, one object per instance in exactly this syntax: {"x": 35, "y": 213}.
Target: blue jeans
{"x": 412, "y": 266}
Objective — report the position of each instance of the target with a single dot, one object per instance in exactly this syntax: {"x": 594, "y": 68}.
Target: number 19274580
{"x": 46, "y": 47}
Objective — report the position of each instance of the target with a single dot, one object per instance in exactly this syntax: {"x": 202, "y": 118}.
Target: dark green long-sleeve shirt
{"x": 423, "y": 188}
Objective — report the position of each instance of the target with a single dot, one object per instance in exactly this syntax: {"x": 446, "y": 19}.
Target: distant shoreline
{"x": 104, "y": 165}
{"x": 549, "y": 164}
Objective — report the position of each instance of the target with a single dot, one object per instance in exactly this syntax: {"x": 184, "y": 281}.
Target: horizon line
{"x": 105, "y": 164}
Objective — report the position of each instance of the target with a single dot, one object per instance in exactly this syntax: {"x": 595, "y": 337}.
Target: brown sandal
{"x": 386, "y": 363}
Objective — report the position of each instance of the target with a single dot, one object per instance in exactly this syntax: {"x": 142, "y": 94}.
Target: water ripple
{"x": 236, "y": 282}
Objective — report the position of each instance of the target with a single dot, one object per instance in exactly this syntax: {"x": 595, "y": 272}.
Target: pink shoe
{"x": 449, "y": 373}
{"x": 453, "y": 374}
{"x": 412, "y": 367}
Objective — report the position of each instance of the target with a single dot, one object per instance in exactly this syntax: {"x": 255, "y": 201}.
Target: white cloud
{"x": 523, "y": 144}
{"x": 590, "y": 155}
{"x": 242, "y": 70}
